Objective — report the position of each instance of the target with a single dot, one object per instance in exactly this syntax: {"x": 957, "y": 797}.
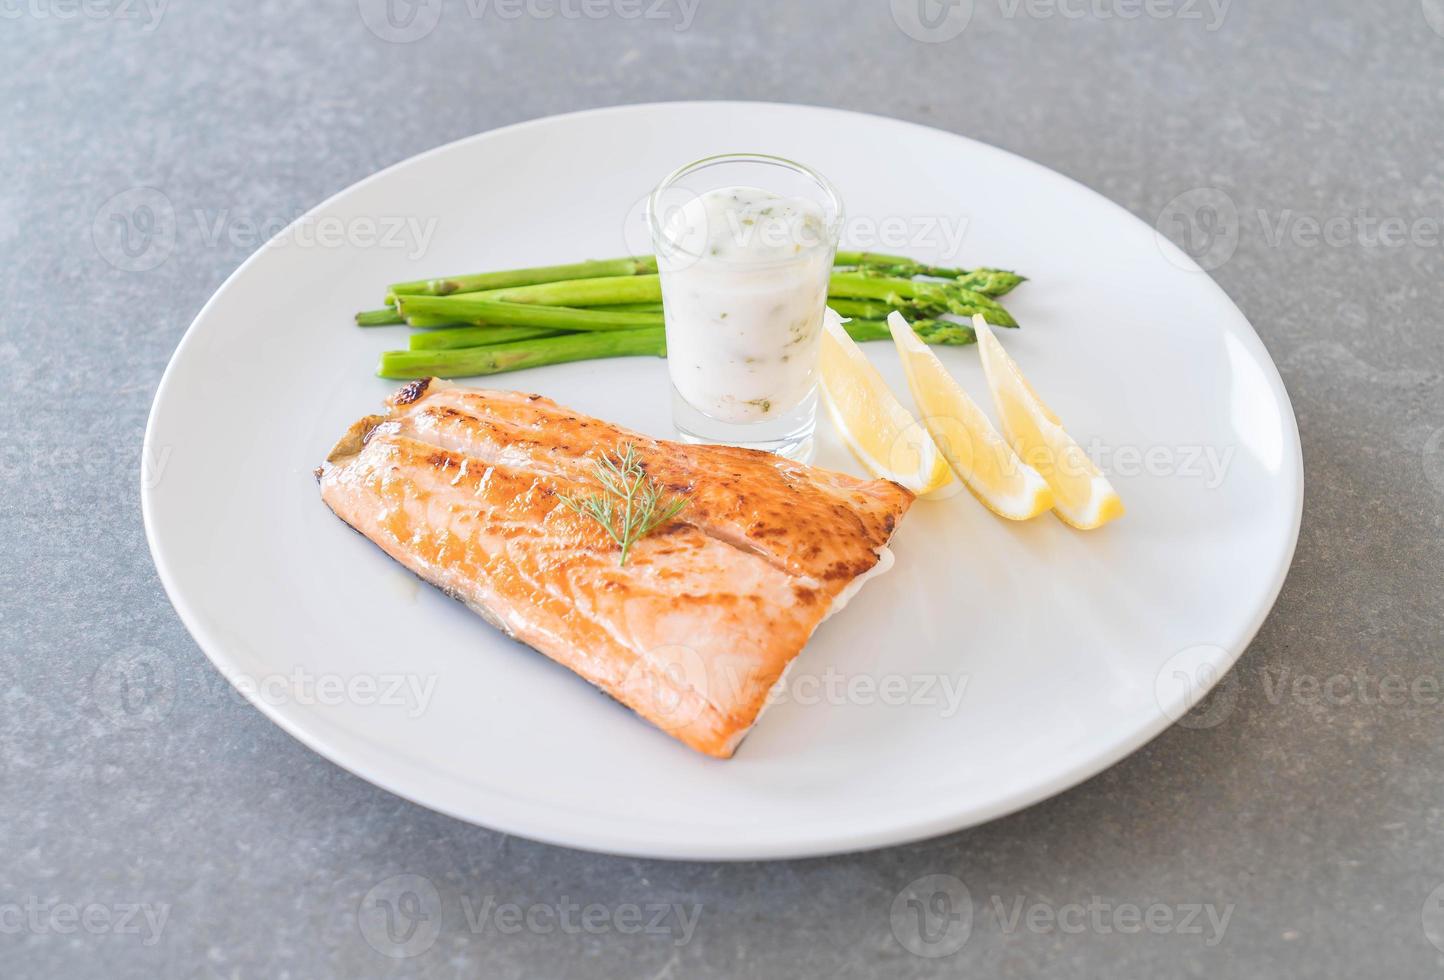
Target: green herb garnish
{"x": 632, "y": 506}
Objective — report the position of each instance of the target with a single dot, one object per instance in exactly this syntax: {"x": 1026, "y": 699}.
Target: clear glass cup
{"x": 744, "y": 287}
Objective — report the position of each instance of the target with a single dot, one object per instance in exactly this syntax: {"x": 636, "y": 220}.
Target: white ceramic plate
{"x": 1070, "y": 650}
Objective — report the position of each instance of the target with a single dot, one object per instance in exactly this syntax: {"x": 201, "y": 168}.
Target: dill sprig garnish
{"x": 632, "y": 506}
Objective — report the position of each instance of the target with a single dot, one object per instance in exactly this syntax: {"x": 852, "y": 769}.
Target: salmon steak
{"x": 475, "y": 490}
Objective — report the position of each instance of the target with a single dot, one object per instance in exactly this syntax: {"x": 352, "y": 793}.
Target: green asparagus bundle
{"x": 490, "y": 322}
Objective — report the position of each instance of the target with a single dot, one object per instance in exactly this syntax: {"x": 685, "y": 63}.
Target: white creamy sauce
{"x": 744, "y": 296}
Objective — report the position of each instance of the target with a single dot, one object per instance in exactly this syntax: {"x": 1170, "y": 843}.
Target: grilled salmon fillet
{"x": 463, "y": 487}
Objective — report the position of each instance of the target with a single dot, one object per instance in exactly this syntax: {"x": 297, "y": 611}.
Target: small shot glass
{"x": 745, "y": 245}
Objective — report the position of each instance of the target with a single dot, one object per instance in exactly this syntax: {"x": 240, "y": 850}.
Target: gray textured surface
{"x": 1316, "y": 817}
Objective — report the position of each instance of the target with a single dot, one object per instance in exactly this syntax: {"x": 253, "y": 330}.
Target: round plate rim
{"x": 293, "y": 718}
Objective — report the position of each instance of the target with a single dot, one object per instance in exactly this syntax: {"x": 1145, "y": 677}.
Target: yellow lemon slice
{"x": 1082, "y": 495}
{"x": 980, "y": 456}
{"x": 882, "y": 434}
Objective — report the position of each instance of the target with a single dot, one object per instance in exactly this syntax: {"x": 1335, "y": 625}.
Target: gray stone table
{"x": 209, "y": 843}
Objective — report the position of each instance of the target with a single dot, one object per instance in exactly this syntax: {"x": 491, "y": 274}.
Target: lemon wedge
{"x": 981, "y": 457}
{"x": 1082, "y": 495}
{"x": 882, "y": 434}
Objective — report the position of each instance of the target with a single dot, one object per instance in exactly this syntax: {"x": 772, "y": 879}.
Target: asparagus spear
{"x": 865, "y": 309}
{"x": 879, "y": 260}
{"x": 458, "y": 362}
{"x": 434, "y": 321}
{"x": 954, "y": 298}
{"x": 476, "y": 337}
{"x": 994, "y": 282}
{"x": 615, "y": 290}
{"x": 634, "y": 307}
{"x": 390, "y": 317}
{"x": 939, "y": 333}
{"x": 379, "y": 318}
{"x": 476, "y": 282}
{"x": 472, "y": 308}
{"x": 468, "y": 361}
{"x": 990, "y": 282}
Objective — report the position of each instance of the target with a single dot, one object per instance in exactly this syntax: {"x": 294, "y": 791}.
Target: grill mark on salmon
{"x": 461, "y": 486}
